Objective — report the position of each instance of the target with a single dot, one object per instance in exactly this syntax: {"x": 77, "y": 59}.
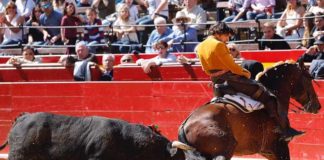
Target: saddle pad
{"x": 240, "y": 101}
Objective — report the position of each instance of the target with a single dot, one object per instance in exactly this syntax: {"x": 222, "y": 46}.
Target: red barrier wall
{"x": 163, "y": 103}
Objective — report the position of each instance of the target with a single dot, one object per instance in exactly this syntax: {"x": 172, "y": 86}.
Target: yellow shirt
{"x": 214, "y": 55}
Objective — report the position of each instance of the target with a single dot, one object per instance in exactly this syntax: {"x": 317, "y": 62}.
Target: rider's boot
{"x": 287, "y": 133}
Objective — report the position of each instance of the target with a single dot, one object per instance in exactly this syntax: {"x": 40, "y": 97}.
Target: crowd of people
{"x": 56, "y": 22}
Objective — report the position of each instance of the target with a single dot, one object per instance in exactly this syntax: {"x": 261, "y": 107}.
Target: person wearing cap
{"x": 314, "y": 52}
{"x": 229, "y": 77}
{"x": 183, "y": 38}
{"x": 50, "y": 17}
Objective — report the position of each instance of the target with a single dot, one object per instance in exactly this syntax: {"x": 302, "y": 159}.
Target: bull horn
{"x": 180, "y": 145}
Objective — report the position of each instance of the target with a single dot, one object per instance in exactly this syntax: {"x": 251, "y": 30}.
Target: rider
{"x": 229, "y": 77}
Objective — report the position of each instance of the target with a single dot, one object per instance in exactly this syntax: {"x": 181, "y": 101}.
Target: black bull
{"x": 45, "y": 136}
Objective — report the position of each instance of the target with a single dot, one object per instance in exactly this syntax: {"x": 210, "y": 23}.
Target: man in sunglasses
{"x": 230, "y": 78}
{"x": 50, "y": 17}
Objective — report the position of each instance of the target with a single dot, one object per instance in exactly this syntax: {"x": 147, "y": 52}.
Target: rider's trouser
{"x": 230, "y": 83}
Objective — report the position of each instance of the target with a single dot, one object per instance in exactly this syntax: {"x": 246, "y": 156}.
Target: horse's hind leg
{"x": 279, "y": 152}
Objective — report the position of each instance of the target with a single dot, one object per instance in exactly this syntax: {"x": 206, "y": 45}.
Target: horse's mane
{"x": 273, "y": 67}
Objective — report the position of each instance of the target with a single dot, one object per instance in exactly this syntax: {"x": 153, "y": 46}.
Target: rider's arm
{"x": 224, "y": 56}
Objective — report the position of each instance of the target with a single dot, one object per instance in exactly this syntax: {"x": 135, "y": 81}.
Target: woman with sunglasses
{"x": 163, "y": 57}
{"x": 11, "y": 21}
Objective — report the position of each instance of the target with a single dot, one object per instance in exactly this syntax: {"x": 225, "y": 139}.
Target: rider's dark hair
{"x": 220, "y": 28}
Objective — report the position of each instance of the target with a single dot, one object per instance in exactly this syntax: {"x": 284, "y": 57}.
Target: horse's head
{"x": 293, "y": 80}
{"x": 303, "y": 90}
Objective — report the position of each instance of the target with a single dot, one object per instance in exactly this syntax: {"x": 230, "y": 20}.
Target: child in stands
{"x": 93, "y": 35}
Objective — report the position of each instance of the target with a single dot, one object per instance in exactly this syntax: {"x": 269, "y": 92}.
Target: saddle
{"x": 241, "y": 101}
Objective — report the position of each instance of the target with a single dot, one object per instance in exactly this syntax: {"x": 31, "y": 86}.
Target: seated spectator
{"x": 125, "y": 30}
{"x": 183, "y": 38}
{"x": 261, "y": 9}
{"x": 28, "y": 57}
{"x": 127, "y": 58}
{"x": 35, "y": 35}
{"x": 12, "y": 36}
{"x": 319, "y": 25}
{"x": 104, "y": 7}
{"x": 290, "y": 23}
{"x": 93, "y": 35}
{"x": 84, "y": 3}
{"x": 163, "y": 57}
{"x": 272, "y": 41}
{"x": 83, "y": 60}
{"x": 197, "y": 15}
{"x": 319, "y": 7}
{"x": 67, "y": 61}
{"x": 50, "y": 17}
{"x": 314, "y": 52}
{"x": 132, "y": 9}
{"x": 316, "y": 69}
{"x": 156, "y": 8}
{"x": 68, "y": 35}
{"x": 309, "y": 25}
{"x": 108, "y": 61}
{"x": 251, "y": 65}
{"x": 238, "y": 9}
{"x": 161, "y": 31}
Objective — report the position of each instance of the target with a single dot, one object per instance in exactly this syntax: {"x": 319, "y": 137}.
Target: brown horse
{"x": 219, "y": 130}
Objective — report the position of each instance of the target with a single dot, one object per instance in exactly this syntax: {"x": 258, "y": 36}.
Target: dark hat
{"x": 320, "y": 40}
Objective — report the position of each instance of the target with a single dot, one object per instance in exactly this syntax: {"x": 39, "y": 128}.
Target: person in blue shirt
{"x": 160, "y": 31}
{"x": 50, "y": 17}
{"x": 183, "y": 38}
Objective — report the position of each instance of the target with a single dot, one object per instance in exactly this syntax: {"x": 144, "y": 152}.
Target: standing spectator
{"x": 309, "y": 25}
{"x": 68, "y": 35}
{"x": 25, "y": 7}
{"x": 104, "y": 7}
{"x": 125, "y": 30}
{"x": 290, "y": 23}
{"x": 35, "y": 35}
{"x": 28, "y": 56}
{"x": 12, "y": 20}
{"x": 197, "y": 15}
{"x": 107, "y": 69}
{"x": 261, "y": 9}
{"x": 52, "y": 18}
{"x": 181, "y": 35}
{"x": 156, "y": 8}
{"x": 93, "y": 35}
{"x": 269, "y": 34}
{"x": 239, "y": 9}
{"x": 163, "y": 57}
{"x": 160, "y": 32}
